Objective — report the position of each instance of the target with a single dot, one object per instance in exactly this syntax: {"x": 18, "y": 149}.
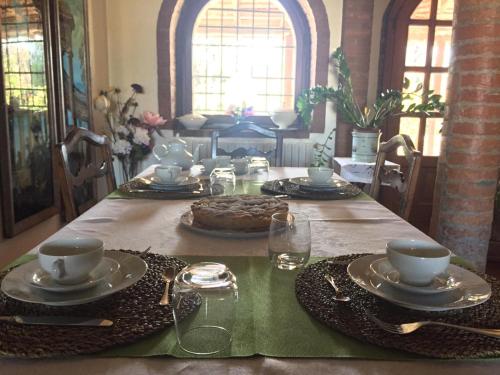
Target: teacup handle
{"x": 160, "y": 151}
{"x": 59, "y": 269}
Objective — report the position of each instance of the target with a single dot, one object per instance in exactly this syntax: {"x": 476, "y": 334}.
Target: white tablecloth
{"x": 338, "y": 227}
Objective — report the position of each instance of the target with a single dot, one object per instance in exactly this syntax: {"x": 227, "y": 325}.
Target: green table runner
{"x": 269, "y": 321}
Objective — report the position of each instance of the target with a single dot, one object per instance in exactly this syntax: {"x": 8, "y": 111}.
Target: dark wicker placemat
{"x": 135, "y": 311}
{"x": 137, "y": 189}
{"x": 279, "y": 187}
{"x": 315, "y": 295}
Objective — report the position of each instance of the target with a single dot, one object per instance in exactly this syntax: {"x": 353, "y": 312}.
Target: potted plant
{"x": 366, "y": 122}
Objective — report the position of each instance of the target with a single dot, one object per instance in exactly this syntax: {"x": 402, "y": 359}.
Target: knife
{"x": 57, "y": 320}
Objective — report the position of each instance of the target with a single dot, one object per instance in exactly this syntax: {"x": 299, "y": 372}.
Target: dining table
{"x": 338, "y": 227}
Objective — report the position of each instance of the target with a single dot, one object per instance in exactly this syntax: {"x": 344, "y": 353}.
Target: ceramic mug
{"x": 69, "y": 261}
{"x": 319, "y": 175}
{"x": 209, "y": 165}
{"x": 417, "y": 262}
{"x": 168, "y": 173}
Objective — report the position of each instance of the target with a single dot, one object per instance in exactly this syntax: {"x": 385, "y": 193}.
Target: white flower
{"x": 141, "y": 136}
{"x": 121, "y": 147}
{"x": 122, "y": 130}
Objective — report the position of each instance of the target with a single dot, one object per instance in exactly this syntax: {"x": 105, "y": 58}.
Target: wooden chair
{"x": 404, "y": 183}
{"x": 245, "y": 129}
{"x": 82, "y": 158}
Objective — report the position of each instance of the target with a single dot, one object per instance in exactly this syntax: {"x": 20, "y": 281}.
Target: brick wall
{"x": 470, "y": 151}
{"x": 356, "y": 42}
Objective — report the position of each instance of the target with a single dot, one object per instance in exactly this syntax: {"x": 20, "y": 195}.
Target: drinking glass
{"x": 212, "y": 288}
{"x": 223, "y": 179}
{"x": 259, "y": 168}
{"x": 289, "y": 240}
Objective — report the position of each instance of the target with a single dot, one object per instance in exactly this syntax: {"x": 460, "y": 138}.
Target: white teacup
{"x": 69, "y": 261}
{"x": 240, "y": 166}
{"x": 168, "y": 173}
{"x": 223, "y": 161}
{"x": 209, "y": 165}
{"x": 417, "y": 262}
{"x": 319, "y": 175}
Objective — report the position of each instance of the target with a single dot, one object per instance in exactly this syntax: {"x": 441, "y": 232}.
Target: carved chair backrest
{"x": 404, "y": 183}
{"x": 245, "y": 130}
{"x": 82, "y": 158}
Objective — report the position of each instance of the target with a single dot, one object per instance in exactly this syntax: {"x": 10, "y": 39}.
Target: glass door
{"x": 26, "y": 134}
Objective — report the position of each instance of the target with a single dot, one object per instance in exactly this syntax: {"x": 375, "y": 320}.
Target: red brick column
{"x": 357, "y": 19}
{"x": 470, "y": 152}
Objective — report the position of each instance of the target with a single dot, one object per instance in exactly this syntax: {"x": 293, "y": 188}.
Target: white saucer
{"x": 42, "y": 280}
{"x": 132, "y": 269}
{"x": 472, "y": 290}
{"x": 306, "y": 184}
{"x": 384, "y": 270}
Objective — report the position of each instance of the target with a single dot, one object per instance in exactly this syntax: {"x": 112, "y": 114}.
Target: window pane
{"x": 422, "y": 11}
{"x": 409, "y": 126}
{"x": 439, "y": 83}
{"x": 416, "y": 79}
{"x": 441, "y": 50}
{"x": 244, "y": 56}
{"x": 416, "y": 49}
{"x": 432, "y": 137}
{"x": 445, "y": 10}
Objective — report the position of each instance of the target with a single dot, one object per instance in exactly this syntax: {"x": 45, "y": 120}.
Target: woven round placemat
{"x": 278, "y": 187}
{"x": 135, "y": 311}
{"x": 315, "y": 295}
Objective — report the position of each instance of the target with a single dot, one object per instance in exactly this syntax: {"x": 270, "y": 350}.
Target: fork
{"x": 406, "y": 328}
{"x": 168, "y": 276}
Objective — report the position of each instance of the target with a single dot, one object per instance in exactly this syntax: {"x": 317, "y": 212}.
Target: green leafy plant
{"x": 389, "y": 103}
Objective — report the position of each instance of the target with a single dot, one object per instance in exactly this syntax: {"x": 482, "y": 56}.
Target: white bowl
{"x": 418, "y": 262}
{"x": 192, "y": 121}
{"x": 69, "y": 261}
{"x": 284, "y": 118}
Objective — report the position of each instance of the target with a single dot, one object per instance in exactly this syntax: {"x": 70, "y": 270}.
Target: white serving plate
{"x": 186, "y": 221}
{"x": 132, "y": 269}
{"x": 472, "y": 291}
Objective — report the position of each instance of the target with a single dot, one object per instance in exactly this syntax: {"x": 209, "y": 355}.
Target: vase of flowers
{"x": 366, "y": 122}
{"x": 131, "y": 135}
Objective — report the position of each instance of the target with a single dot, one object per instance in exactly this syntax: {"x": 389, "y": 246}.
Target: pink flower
{"x": 153, "y": 119}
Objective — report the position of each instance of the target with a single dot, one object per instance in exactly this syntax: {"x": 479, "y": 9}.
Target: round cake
{"x": 246, "y": 213}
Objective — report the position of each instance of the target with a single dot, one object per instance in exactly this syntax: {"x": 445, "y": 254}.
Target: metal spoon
{"x": 168, "y": 276}
{"x": 338, "y": 294}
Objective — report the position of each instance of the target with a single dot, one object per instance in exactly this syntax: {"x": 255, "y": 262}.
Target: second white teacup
{"x": 240, "y": 166}
{"x": 69, "y": 261}
{"x": 168, "y": 173}
{"x": 223, "y": 161}
{"x": 417, "y": 262}
{"x": 319, "y": 175}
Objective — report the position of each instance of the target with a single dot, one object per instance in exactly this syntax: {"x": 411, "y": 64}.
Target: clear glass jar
{"x": 212, "y": 286}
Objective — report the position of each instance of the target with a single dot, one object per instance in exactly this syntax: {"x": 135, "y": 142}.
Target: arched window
{"x": 235, "y": 53}
{"x": 243, "y": 55}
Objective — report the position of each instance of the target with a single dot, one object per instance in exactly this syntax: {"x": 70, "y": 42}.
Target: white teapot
{"x": 175, "y": 153}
